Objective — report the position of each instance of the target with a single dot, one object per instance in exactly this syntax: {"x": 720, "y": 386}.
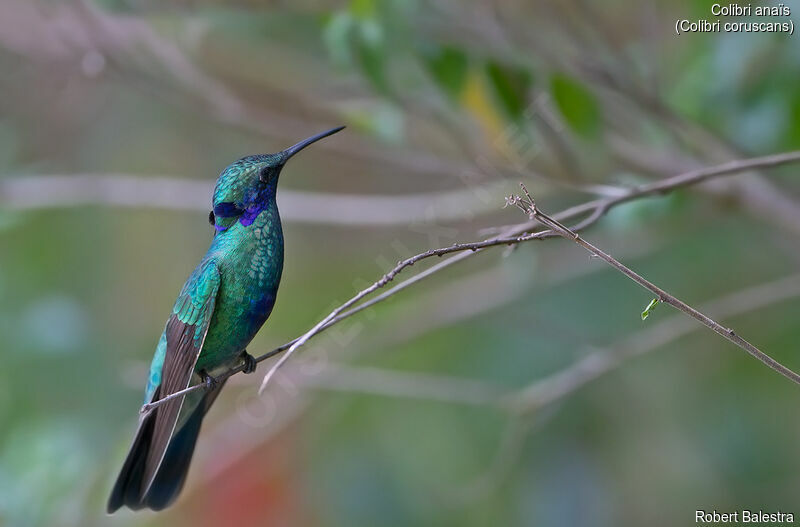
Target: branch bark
{"x": 559, "y": 385}
{"x": 528, "y": 205}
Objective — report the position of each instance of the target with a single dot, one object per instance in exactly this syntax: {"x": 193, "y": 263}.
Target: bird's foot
{"x": 208, "y": 380}
{"x": 249, "y": 362}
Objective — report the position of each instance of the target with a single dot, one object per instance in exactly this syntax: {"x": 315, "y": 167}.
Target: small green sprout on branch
{"x": 528, "y": 205}
{"x": 653, "y": 303}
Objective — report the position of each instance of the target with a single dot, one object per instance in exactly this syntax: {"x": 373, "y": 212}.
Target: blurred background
{"x": 116, "y": 116}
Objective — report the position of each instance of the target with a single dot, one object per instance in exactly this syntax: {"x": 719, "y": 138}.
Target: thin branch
{"x": 594, "y": 210}
{"x": 528, "y": 205}
{"x": 663, "y": 186}
{"x": 546, "y": 391}
{"x": 407, "y": 385}
{"x": 561, "y": 384}
{"x": 32, "y": 192}
{"x": 549, "y": 390}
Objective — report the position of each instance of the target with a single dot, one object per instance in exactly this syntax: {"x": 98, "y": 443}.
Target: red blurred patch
{"x": 259, "y": 488}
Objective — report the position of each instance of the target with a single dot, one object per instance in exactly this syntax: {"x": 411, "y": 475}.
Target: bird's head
{"x": 247, "y": 186}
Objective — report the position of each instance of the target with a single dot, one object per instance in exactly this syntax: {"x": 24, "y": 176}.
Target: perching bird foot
{"x": 208, "y": 380}
{"x": 249, "y": 362}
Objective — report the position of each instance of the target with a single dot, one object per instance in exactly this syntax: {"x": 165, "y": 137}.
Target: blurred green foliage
{"x": 577, "y": 105}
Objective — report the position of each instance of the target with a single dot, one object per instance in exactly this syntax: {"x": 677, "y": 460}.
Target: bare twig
{"x": 593, "y": 211}
{"x": 663, "y": 186}
{"x": 599, "y": 362}
{"x": 528, "y": 205}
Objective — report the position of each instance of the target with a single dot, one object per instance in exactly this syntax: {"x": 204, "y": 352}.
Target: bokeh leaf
{"x": 510, "y": 86}
{"x": 372, "y": 60}
{"x": 380, "y": 119}
{"x": 363, "y": 9}
{"x": 577, "y": 105}
{"x": 448, "y": 67}
{"x": 336, "y": 36}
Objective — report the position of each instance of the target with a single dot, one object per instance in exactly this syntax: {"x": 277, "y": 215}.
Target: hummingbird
{"x": 221, "y": 307}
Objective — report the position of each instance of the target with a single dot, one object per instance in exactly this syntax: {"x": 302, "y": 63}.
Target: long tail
{"x": 129, "y": 489}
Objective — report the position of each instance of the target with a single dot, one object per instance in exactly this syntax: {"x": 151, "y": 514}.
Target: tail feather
{"x": 129, "y": 489}
{"x": 171, "y": 474}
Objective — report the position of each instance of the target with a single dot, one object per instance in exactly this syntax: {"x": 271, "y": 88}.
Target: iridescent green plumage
{"x": 220, "y": 309}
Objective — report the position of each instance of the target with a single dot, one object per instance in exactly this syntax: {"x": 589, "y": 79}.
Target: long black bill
{"x": 292, "y": 150}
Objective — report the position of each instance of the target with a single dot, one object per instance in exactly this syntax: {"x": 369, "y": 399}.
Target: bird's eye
{"x": 264, "y": 174}
{"x": 211, "y": 218}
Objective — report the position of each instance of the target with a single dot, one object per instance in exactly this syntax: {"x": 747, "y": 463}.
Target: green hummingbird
{"x": 220, "y": 309}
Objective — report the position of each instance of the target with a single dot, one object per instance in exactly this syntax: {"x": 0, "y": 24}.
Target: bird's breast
{"x": 251, "y": 263}
{"x": 253, "y": 271}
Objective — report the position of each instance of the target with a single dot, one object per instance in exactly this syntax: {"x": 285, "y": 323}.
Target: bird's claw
{"x": 210, "y": 381}
{"x": 249, "y": 362}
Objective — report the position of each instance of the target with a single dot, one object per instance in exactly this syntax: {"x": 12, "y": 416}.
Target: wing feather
{"x": 185, "y": 332}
